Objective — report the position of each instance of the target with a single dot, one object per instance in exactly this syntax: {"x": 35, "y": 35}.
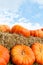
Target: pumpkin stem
{"x": 23, "y": 52}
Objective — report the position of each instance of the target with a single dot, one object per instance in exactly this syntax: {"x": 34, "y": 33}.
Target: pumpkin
{"x": 32, "y": 32}
{"x": 36, "y": 33}
{"x": 4, "y": 55}
{"x": 4, "y": 28}
{"x": 42, "y": 29}
{"x": 22, "y": 55}
{"x": 38, "y": 52}
{"x": 20, "y": 30}
{"x": 39, "y": 33}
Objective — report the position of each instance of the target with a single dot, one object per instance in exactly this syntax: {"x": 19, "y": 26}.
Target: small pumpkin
{"x": 4, "y": 28}
{"x": 42, "y": 29}
{"x": 32, "y": 32}
{"x": 36, "y": 33}
{"x": 39, "y": 33}
{"x": 22, "y": 55}
{"x": 20, "y": 30}
{"x": 4, "y": 55}
{"x": 38, "y": 52}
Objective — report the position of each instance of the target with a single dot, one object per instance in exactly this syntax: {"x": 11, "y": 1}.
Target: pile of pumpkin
{"x": 22, "y": 54}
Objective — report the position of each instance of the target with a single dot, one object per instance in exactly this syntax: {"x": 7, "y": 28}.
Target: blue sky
{"x": 28, "y": 13}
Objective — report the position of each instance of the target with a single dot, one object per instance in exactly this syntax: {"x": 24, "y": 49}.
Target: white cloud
{"x": 27, "y": 24}
{"x": 40, "y": 2}
{"x": 7, "y": 17}
{"x": 36, "y": 26}
{"x": 23, "y": 20}
{"x": 11, "y": 4}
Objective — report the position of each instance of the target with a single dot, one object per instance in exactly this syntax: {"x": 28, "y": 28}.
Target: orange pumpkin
{"x": 36, "y": 33}
{"x": 4, "y": 55}
{"x": 20, "y": 30}
{"x": 32, "y": 32}
{"x": 22, "y": 55}
{"x": 39, "y": 33}
{"x": 4, "y": 28}
{"x": 38, "y": 52}
{"x": 42, "y": 29}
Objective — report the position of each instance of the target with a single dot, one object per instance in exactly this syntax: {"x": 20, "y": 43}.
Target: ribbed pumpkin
{"x": 4, "y": 28}
{"x": 38, "y": 52}
{"x": 4, "y": 55}
{"x": 22, "y": 55}
{"x": 20, "y": 30}
{"x": 39, "y": 33}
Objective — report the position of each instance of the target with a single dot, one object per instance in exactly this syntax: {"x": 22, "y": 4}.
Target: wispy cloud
{"x": 10, "y": 4}
{"x": 40, "y": 2}
{"x": 28, "y": 24}
{"x": 10, "y": 13}
{"x": 22, "y": 19}
{"x": 7, "y": 17}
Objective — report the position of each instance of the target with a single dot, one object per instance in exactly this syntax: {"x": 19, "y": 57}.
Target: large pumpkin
{"x": 20, "y": 30}
{"x": 38, "y": 52}
{"x": 4, "y": 28}
{"x": 4, "y": 55}
{"x": 22, "y": 55}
